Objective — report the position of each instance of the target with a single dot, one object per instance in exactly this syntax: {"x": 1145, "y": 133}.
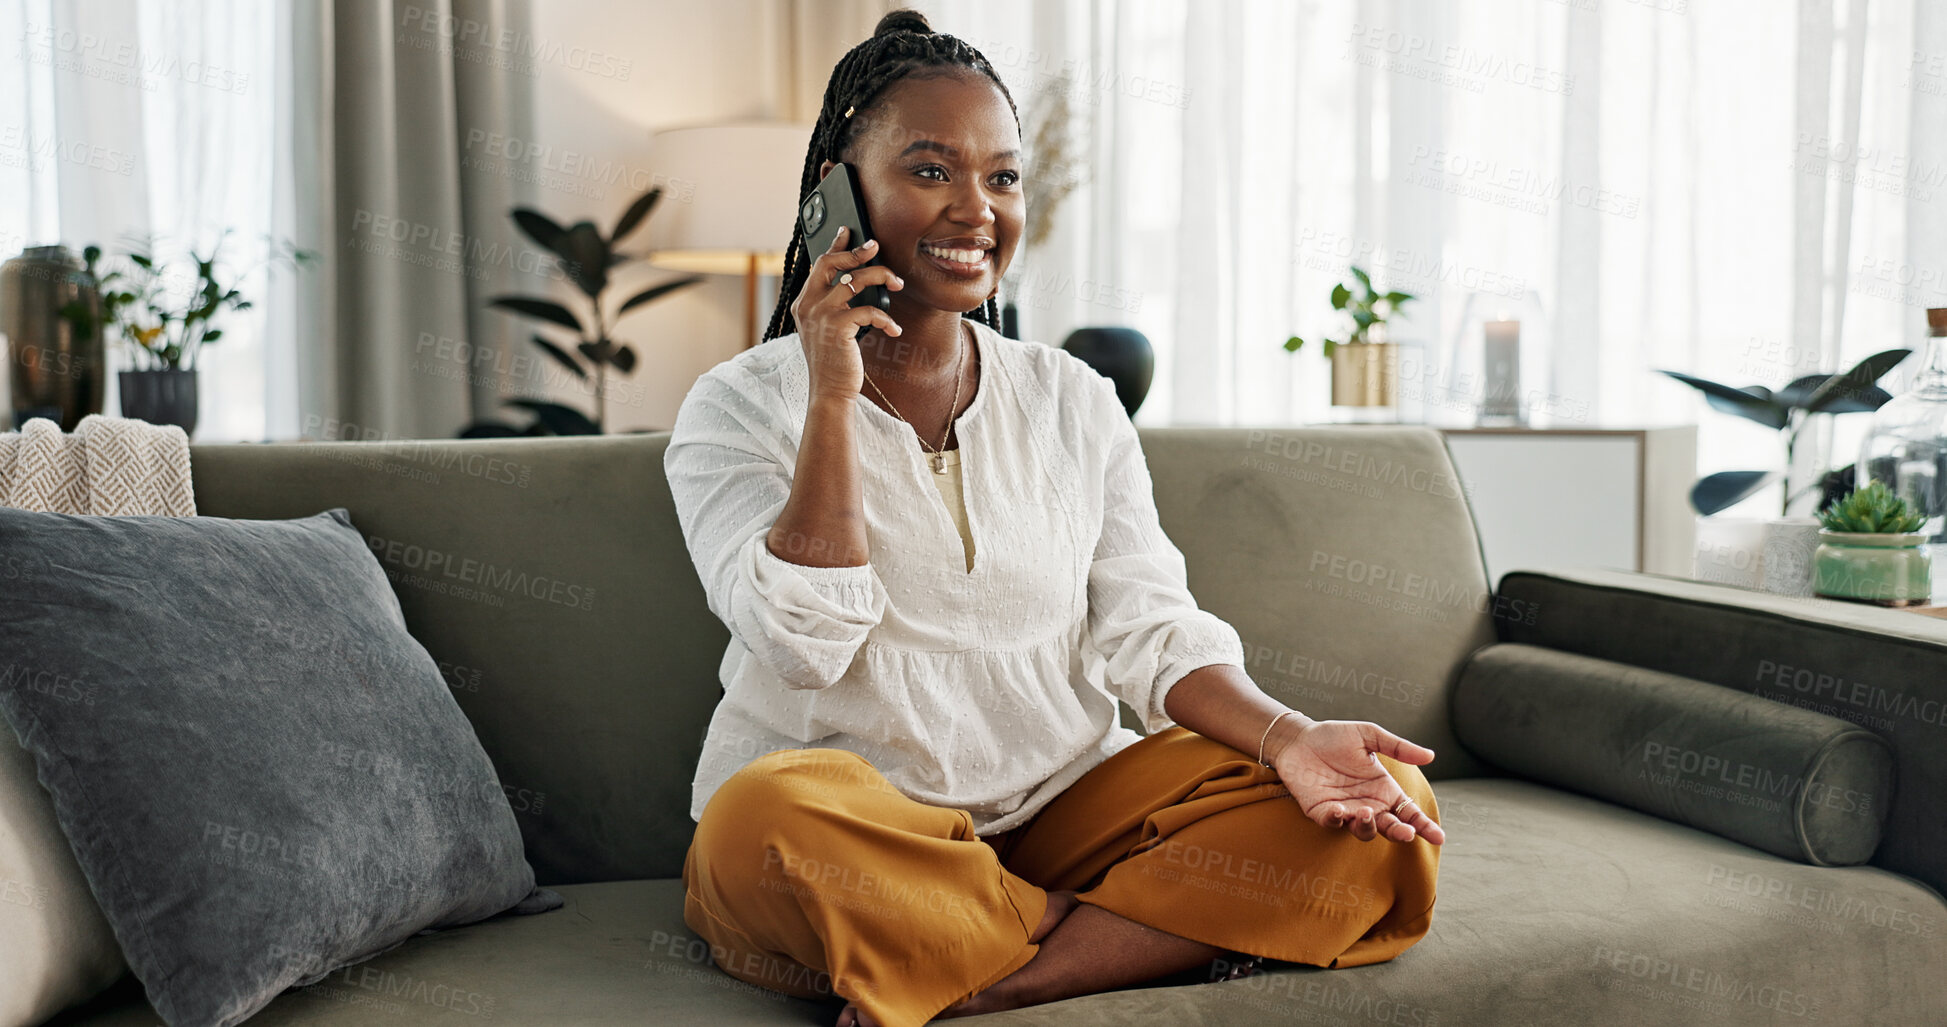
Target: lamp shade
{"x": 741, "y": 181}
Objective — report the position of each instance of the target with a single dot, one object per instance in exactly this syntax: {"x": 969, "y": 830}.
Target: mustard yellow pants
{"x": 812, "y": 875}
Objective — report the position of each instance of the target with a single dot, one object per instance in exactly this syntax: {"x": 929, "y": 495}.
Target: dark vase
{"x": 1122, "y": 355}
{"x": 50, "y": 311}
{"x": 160, "y": 397}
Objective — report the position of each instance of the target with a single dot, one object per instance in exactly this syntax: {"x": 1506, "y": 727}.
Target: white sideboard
{"x": 1585, "y": 497}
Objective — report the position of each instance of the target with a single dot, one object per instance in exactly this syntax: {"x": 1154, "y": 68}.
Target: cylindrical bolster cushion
{"x": 1776, "y": 777}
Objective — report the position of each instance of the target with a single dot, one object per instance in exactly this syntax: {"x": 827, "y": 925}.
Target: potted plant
{"x": 587, "y": 257}
{"x": 1789, "y": 411}
{"x": 1365, "y": 367}
{"x": 1871, "y": 549}
{"x": 163, "y": 316}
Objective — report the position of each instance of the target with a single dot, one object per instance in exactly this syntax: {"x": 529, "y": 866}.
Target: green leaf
{"x": 540, "y": 228}
{"x": 212, "y": 335}
{"x": 1852, "y": 385}
{"x": 656, "y": 292}
{"x": 1340, "y": 294}
{"x": 598, "y": 352}
{"x": 561, "y": 357}
{"x": 1329, "y": 347}
{"x": 1363, "y": 318}
{"x": 585, "y": 257}
{"x": 633, "y": 216}
{"x": 1291, "y": 345}
{"x": 1727, "y": 488}
{"x": 1360, "y": 274}
{"x": 546, "y": 310}
{"x": 1397, "y": 298}
{"x": 558, "y": 419}
{"x": 1872, "y": 510}
{"x": 1754, "y": 403}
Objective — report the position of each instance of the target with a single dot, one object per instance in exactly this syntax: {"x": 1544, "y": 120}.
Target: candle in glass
{"x": 1501, "y": 369}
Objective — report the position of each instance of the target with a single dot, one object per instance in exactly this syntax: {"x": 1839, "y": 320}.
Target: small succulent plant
{"x": 1871, "y": 510}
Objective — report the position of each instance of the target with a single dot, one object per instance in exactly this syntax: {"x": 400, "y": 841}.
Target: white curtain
{"x": 1747, "y": 190}
{"x": 125, "y": 119}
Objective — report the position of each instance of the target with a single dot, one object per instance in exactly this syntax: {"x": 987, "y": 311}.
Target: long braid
{"x": 902, "y": 44}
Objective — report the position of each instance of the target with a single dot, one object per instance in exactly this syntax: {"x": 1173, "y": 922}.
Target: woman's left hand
{"x": 1333, "y": 772}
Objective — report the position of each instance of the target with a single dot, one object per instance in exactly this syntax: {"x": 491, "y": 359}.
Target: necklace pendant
{"x": 939, "y": 464}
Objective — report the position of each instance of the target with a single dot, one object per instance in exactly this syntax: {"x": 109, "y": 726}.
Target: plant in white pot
{"x": 1871, "y": 549}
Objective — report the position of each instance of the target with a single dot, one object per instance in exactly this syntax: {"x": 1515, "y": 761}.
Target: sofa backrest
{"x": 1347, "y": 559}
{"x": 549, "y": 578}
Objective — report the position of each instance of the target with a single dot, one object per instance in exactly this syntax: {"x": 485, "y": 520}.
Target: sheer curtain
{"x": 121, "y": 120}
{"x": 1743, "y": 189}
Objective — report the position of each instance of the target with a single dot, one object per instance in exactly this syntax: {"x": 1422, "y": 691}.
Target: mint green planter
{"x": 1894, "y": 570}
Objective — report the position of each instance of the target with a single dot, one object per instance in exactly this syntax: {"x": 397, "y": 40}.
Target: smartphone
{"x": 836, "y": 204}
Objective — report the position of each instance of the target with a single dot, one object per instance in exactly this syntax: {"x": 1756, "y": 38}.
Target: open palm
{"x": 1333, "y": 771}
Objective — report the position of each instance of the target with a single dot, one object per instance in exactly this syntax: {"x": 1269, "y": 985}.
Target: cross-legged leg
{"x": 812, "y": 875}
{"x": 1188, "y": 851}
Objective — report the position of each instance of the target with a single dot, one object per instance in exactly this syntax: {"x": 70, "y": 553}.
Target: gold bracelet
{"x": 1267, "y": 734}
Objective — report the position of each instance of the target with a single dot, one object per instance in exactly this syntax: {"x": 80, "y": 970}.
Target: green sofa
{"x": 549, "y": 578}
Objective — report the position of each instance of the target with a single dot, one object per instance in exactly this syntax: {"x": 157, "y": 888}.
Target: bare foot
{"x": 853, "y": 1016}
{"x": 1060, "y": 904}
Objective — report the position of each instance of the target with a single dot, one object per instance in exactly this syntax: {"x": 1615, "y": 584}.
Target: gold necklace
{"x": 939, "y": 455}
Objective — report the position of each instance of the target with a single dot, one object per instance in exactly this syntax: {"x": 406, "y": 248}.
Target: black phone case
{"x": 836, "y": 203}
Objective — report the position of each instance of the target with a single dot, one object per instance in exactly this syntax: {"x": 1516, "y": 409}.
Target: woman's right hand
{"x": 828, "y": 325}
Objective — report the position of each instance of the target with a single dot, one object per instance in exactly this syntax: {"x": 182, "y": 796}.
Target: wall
{"x": 676, "y": 65}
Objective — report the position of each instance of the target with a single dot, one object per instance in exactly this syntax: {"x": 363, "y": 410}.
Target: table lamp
{"x": 735, "y": 188}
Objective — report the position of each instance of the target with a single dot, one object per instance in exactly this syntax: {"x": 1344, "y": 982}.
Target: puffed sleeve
{"x": 726, "y": 472}
{"x": 1143, "y": 621}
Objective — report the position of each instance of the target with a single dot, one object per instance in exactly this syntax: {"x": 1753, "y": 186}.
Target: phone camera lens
{"x": 814, "y": 213}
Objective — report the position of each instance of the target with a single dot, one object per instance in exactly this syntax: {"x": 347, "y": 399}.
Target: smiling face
{"x": 939, "y": 165}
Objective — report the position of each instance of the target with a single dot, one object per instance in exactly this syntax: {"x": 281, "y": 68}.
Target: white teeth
{"x": 957, "y": 256}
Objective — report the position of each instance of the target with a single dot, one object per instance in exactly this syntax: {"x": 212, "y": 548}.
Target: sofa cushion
{"x": 1553, "y": 908}
{"x": 1794, "y": 783}
{"x": 260, "y": 772}
{"x": 57, "y": 948}
{"x": 1885, "y": 670}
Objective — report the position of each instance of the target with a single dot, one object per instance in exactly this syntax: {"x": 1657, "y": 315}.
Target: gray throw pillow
{"x": 262, "y": 774}
{"x": 1792, "y": 782}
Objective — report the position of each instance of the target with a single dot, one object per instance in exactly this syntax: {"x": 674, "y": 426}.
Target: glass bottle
{"x": 1906, "y": 447}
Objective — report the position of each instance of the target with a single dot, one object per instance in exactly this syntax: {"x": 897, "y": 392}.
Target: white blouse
{"x": 988, "y": 690}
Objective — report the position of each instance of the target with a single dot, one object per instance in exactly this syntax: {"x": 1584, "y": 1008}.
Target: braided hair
{"x": 902, "y": 44}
